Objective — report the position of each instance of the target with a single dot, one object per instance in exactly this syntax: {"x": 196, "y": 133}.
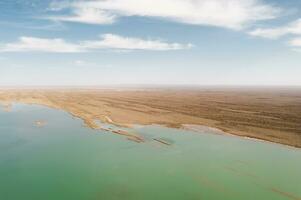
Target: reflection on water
{"x": 65, "y": 160}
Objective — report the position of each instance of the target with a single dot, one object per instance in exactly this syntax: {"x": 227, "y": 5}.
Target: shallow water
{"x": 66, "y": 160}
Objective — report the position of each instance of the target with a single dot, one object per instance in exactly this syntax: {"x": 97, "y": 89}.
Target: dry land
{"x": 272, "y": 114}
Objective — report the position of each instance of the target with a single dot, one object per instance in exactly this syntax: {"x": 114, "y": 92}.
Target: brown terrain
{"x": 271, "y": 114}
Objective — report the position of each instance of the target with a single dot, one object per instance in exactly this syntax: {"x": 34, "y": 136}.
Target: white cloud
{"x": 25, "y": 44}
{"x": 87, "y": 15}
{"x": 296, "y": 42}
{"x": 111, "y": 41}
{"x": 233, "y": 14}
{"x": 107, "y": 41}
{"x": 293, "y": 28}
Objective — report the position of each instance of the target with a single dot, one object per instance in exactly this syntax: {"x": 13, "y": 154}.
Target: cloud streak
{"x": 26, "y": 44}
{"x": 293, "y": 28}
{"x": 232, "y": 14}
{"x": 87, "y": 15}
{"x": 296, "y": 42}
{"x": 106, "y": 42}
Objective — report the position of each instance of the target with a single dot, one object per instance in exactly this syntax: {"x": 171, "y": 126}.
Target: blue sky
{"x": 104, "y": 42}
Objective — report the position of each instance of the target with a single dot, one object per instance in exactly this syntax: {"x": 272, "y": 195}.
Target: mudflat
{"x": 271, "y": 114}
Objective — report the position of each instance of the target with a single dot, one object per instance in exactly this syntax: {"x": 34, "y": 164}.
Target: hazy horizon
{"x": 150, "y": 86}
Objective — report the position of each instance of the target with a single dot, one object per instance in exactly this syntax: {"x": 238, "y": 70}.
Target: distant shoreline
{"x": 152, "y": 87}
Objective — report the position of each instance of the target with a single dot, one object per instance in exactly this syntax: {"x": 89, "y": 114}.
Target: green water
{"x": 66, "y": 161}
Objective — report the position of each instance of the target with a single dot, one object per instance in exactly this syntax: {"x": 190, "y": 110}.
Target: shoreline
{"x": 124, "y": 109}
{"x": 214, "y": 130}
{"x": 136, "y": 138}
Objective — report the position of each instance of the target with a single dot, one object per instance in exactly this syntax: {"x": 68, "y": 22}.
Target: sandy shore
{"x": 272, "y": 115}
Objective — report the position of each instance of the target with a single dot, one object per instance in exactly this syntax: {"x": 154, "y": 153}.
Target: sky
{"x": 162, "y": 42}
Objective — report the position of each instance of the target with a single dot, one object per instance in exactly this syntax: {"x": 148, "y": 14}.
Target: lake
{"x": 63, "y": 159}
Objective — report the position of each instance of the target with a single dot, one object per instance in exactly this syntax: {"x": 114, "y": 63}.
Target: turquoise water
{"x": 64, "y": 160}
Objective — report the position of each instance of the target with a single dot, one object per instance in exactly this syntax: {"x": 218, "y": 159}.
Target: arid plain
{"x": 271, "y": 114}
